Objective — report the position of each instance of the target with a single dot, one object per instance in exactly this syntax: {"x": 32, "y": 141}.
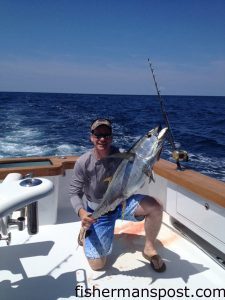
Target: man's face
{"x": 102, "y": 138}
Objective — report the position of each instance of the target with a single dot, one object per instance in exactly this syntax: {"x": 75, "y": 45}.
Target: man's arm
{"x": 76, "y": 187}
{"x": 76, "y": 193}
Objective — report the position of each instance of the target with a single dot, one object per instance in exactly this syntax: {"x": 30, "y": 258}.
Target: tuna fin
{"x": 149, "y": 173}
{"x": 152, "y": 177}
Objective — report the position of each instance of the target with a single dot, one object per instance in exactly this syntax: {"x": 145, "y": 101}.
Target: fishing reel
{"x": 180, "y": 155}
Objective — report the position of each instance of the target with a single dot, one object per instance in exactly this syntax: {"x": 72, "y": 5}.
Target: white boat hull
{"x": 49, "y": 265}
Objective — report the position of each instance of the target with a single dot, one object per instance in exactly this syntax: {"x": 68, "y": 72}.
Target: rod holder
{"x": 7, "y": 238}
{"x": 20, "y": 222}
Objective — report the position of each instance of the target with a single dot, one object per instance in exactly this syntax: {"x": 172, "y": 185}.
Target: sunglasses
{"x": 105, "y": 136}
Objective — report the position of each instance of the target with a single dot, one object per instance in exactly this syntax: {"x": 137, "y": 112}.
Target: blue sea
{"x": 43, "y": 124}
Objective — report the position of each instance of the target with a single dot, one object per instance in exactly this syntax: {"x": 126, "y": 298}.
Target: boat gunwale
{"x": 202, "y": 185}
{"x": 58, "y": 165}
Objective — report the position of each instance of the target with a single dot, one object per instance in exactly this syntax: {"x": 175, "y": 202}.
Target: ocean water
{"x": 42, "y": 124}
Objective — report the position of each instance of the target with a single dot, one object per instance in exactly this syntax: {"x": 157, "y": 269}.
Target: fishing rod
{"x": 177, "y": 155}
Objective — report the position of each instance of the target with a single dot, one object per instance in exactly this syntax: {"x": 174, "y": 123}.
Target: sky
{"x": 103, "y": 46}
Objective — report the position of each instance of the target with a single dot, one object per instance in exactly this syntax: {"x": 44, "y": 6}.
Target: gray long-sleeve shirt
{"x": 89, "y": 176}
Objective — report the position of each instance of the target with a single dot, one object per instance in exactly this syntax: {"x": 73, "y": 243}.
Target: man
{"x": 90, "y": 179}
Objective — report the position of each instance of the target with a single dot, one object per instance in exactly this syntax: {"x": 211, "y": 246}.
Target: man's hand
{"x": 86, "y": 219}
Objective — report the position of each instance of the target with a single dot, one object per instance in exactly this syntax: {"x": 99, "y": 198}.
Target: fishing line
{"x": 177, "y": 155}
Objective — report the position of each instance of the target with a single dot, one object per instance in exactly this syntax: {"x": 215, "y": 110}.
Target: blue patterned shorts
{"x": 99, "y": 237}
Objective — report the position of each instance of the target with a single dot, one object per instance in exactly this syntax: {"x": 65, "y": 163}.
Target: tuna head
{"x": 151, "y": 145}
{"x": 149, "y": 149}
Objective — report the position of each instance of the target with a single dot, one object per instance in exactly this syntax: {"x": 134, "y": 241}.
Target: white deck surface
{"x": 48, "y": 266}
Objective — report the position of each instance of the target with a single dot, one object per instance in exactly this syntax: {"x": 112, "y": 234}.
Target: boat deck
{"x": 50, "y": 266}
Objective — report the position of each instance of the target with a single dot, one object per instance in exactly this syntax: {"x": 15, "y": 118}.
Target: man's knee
{"x": 152, "y": 205}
